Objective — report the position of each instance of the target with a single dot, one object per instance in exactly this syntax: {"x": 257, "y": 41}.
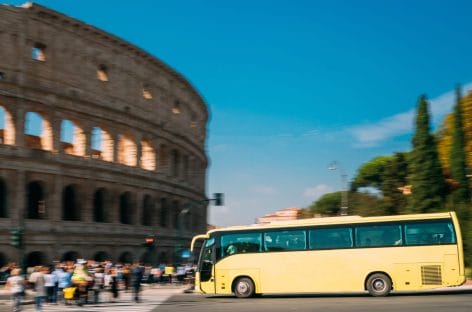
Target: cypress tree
{"x": 427, "y": 181}
{"x": 457, "y": 160}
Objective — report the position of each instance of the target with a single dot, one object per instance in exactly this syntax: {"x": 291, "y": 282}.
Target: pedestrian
{"x": 98, "y": 282}
{"x": 137, "y": 276}
{"x": 37, "y": 279}
{"x": 16, "y": 284}
{"x": 114, "y": 284}
{"x": 64, "y": 281}
{"x": 50, "y": 284}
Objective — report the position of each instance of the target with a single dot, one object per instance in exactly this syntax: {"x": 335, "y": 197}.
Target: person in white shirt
{"x": 50, "y": 285}
{"x": 16, "y": 284}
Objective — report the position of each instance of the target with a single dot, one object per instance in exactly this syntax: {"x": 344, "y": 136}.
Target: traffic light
{"x": 16, "y": 238}
{"x": 149, "y": 241}
{"x": 219, "y": 199}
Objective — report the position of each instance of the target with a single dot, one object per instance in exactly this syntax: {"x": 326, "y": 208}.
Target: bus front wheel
{"x": 379, "y": 285}
{"x": 244, "y": 287}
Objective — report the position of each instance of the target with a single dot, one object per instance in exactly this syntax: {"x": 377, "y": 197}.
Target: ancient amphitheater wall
{"x": 101, "y": 143}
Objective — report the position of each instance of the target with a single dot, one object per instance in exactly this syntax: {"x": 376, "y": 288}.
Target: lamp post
{"x": 344, "y": 192}
{"x": 179, "y": 224}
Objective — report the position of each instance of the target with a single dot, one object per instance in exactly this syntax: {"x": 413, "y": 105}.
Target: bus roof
{"x": 335, "y": 221}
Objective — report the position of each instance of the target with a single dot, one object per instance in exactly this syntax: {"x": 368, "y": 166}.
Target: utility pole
{"x": 334, "y": 165}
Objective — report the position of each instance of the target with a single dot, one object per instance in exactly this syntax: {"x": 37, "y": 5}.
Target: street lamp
{"x": 334, "y": 165}
{"x": 179, "y": 224}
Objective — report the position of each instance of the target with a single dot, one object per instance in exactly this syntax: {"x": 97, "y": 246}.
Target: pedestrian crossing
{"x": 149, "y": 300}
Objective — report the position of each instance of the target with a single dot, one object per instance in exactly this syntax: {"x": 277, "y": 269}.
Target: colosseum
{"x": 101, "y": 145}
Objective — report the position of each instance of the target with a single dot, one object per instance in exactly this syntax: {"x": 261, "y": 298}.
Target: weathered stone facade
{"x": 136, "y": 162}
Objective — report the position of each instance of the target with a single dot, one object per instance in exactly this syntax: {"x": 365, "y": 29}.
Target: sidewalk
{"x": 29, "y": 298}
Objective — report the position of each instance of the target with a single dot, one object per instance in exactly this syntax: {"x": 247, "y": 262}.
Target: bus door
{"x": 206, "y": 267}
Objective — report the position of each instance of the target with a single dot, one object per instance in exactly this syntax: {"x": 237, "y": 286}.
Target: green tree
{"x": 371, "y": 173}
{"x": 327, "y": 205}
{"x": 427, "y": 181}
{"x": 458, "y": 166}
{"x": 394, "y": 179}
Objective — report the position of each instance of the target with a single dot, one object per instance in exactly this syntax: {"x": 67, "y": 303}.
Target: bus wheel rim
{"x": 378, "y": 284}
{"x": 243, "y": 287}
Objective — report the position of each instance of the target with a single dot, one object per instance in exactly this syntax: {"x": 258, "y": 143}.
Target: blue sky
{"x": 294, "y": 85}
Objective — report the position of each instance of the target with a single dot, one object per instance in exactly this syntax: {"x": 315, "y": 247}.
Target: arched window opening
{"x": 38, "y": 132}
{"x": 163, "y": 257}
{"x": 101, "y": 144}
{"x": 147, "y": 210}
{"x": 175, "y": 214}
{"x": 126, "y": 208}
{"x": 99, "y": 205}
{"x": 36, "y": 258}
{"x": 147, "y": 95}
{"x": 7, "y": 127}
{"x": 102, "y": 256}
{"x": 175, "y": 163}
{"x": 102, "y": 73}
{"x": 70, "y": 256}
{"x": 3, "y": 199}
{"x": 70, "y": 203}
{"x": 38, "y": 53}
{"x": 3, "y": 259}
{"x": 96, "y": 143}
{"x": 164, "y": 213}
{"x": 176, "y": 108}
{"x": 36, "y": 205}
{"x": 72, "y": 138}
{"x": 126, "y": 257}
{"x": 148, "y": 156}
{"x": 127, "y": 151}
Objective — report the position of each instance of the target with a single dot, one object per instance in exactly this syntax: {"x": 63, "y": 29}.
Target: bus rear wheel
{"x": 244, "y": 287}
{"x": 379, "y": 285}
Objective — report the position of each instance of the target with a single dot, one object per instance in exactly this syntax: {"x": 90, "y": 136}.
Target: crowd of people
{"x": 79, "y": 281}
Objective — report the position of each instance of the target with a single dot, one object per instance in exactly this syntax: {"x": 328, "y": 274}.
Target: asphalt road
{"x": 173, "y": 299}
{"x": 450, "y": 301}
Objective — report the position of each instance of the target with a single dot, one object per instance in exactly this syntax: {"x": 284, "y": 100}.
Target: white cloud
{"x": 371, "y": 134}
{"x": 317, "y": 191}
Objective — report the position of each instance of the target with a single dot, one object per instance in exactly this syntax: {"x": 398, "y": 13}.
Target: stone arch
{"x": 70, "y": 256}
{"x": 148, "y": 155}
{"x": 3, "y": 199}
{"x": 99, "y": 205}
{"x": 36, "y": 258}
{"x": 147, "y": 212}
{"x": 3, "y": 259}
{"x": 163, "y": 257}
{"x": 102, "y": 256}
{"x": 164, "y": 213}
{"x": 126, "y": 208}
{"x": 147, "y": 257}
{"x": 101, "y": 144}
{"x": 127, "y": 150}
{"x": 35, "y": 200}
{"x": 175, "y": 163}
{"x": 70, "y": 203}
{"x": 126, "y": 257}
{"x": 7, "y": 127}
{"x": 38, "y": 131}
{"x": 73, "y": 139}
{"x": 175, "y": 214}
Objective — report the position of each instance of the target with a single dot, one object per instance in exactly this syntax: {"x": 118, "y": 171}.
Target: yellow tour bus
{"x": 337, "y": 254}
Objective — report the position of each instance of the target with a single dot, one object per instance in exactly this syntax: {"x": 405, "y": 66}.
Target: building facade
{"x": 101, "y": 144}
